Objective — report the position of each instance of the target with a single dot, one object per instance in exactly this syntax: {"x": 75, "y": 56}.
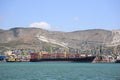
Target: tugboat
{"x": 118, "y": 59}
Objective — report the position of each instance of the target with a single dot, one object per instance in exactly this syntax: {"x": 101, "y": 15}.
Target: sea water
{"x": 59, "y": 71}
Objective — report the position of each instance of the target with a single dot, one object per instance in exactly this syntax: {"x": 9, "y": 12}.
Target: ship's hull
{"x": 117, "y": 61}
{"x": 82, "y": 59}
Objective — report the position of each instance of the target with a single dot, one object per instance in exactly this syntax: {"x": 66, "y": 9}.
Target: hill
{"x": 40, "y": 39}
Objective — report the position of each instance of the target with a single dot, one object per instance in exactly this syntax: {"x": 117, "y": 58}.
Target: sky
{"x": 60, "y": 15}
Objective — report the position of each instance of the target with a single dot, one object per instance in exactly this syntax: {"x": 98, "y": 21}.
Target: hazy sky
{"x": 62, "y": 15}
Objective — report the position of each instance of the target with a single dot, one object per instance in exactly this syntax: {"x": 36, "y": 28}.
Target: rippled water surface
{"x": 59, "y": 71}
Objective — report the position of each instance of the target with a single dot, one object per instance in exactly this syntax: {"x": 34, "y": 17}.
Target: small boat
{"x": 118, "y": 59}
{"x": 2, "y": 58}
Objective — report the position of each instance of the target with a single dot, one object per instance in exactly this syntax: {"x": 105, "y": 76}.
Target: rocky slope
{"x": 35, "y": 38}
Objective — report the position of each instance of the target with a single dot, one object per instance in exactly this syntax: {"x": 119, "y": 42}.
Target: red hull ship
{"x": 38, "y": 57}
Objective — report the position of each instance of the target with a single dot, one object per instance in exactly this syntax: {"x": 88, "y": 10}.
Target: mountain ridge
{"x": 30, "y": 38}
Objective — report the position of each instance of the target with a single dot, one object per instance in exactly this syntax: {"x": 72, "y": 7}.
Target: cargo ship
{"x": 38, "y": 57}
